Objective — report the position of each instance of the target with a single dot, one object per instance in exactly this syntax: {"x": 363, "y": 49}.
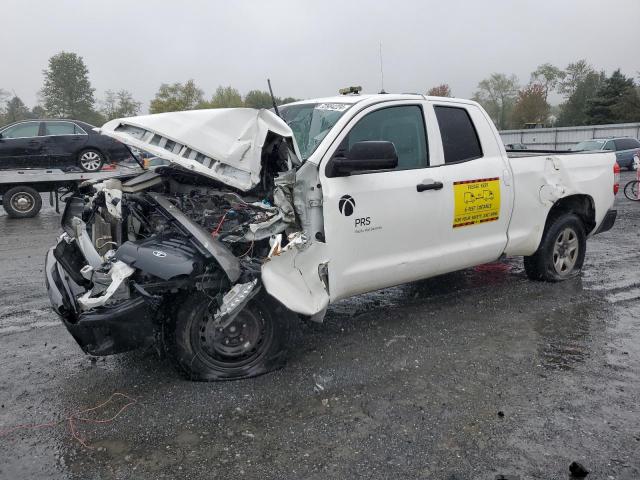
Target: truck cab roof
{"x": 367, "y": 99}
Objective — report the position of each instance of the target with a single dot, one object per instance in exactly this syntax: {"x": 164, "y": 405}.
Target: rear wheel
{"x": 22, "y": 202}
{"x": 561, "y": 252}
{"x": 255, "y": 342}
{"x": 631, "y": 190}
{"x": 90, "y": 160}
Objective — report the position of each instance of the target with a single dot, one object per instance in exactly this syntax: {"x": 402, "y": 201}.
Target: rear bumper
{"x": 101, "y": 331}
{"x": 607, "y": 222}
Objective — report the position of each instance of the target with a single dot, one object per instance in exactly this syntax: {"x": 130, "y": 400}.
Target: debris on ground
{"x": 577, "y": 470}
{"x": 74, "y": 419}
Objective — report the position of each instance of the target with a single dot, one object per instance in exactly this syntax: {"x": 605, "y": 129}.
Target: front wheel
{"x": 561, "y": 252}
{"x": 255, "y": 342}
{"x": 631, "y": 190}
{"x": 90, "y": 160}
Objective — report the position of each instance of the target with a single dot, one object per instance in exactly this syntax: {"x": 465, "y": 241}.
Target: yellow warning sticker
{"x": 476, "y": 201}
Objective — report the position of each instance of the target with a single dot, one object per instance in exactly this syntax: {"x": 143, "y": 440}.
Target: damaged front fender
{"x": 294, "y": 277}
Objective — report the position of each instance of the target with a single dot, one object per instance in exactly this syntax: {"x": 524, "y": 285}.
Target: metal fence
{"x": 562, "y": 138}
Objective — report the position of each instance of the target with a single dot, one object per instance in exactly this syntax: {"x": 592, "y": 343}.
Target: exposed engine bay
{"x": 205, "y": 267}
{"x": 170, "y": 225}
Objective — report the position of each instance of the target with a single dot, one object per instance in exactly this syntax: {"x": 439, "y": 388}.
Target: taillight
{"x": 616, "y": 178}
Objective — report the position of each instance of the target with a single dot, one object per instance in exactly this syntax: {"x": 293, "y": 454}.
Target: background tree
{"x": 226, "y": 97}
{"x": 67, "y": 91}
{"x": 574, "y": 75}
{"x": 615, "y": 101}
{"x": 573, "y": 111}
{"x": 16, "y": 110}
{"x": 442, "y": 90}
{"x": 4, "y": 97}
{"x": 258, "y": 99}
{"x": 548, "y": 76}
{"x": 286, "y": 100}
{"x": 119, "y": 104}
{"x": 176, "y": 97}
{"x": 628, "y": 108}
{"x": 38, "y": 111}
{"x": 109, "y": 105}
{"x": 497, "y": 95}
{"x": 531, "y": 106}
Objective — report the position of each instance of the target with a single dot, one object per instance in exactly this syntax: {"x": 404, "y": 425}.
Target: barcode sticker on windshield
{"x": 476, "y": 201}
{"x": 337, "y": 107}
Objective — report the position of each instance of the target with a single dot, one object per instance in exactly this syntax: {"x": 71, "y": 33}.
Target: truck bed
{"x": 543, "y": 179}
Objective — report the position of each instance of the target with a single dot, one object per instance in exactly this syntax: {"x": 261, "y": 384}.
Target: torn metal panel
{"x": 118, "y": 273}
{"x": 234, "y": 301}
{"x": 85, "y": 244}
{"x": 307, "y": 198}
{"x": 293, "y": 277}
{"x": 223, "y": 144}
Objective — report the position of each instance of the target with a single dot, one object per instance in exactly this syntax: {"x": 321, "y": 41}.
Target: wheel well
{"x": 580, "y": 205}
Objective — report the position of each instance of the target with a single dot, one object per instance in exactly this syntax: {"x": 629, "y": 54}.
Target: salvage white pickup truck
{"x": 260, "y": 218}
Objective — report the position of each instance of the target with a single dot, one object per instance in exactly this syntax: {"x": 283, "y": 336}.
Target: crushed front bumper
{"x": 104, "y": 330}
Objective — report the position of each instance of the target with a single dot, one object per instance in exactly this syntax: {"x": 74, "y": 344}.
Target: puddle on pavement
{"x": 564, "y": 336}
{"x": 631, "y": 294}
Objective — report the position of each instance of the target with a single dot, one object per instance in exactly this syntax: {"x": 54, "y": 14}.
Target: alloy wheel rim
{"x": 90, "y": 161}
{"x": 565, "y": 251}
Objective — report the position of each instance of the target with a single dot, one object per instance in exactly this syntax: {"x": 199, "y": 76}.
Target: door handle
{"x": 421, "y": 187}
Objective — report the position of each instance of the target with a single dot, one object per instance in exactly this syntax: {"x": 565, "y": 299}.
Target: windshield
{"x": 310, "y": 122}
{"x": 588, "y": 145}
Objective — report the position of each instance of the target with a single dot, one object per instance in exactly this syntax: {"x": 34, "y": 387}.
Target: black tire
{"x": 555, "y": 260}
{"x": 631, "y": 190}
{"x": 22, "y": 202}
{"x": 90, "y": 160}
{"x": 199, "y": 351}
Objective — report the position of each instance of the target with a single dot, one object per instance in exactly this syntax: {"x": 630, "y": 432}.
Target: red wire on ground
{"x": 77, "y": 417}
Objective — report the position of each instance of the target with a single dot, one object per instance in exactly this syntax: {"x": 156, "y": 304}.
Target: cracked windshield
{"x": 311, "y": 122}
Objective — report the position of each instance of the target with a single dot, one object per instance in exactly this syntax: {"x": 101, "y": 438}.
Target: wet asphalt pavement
{"x": 466, "y": 376}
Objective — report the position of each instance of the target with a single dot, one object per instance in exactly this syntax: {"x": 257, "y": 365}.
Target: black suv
{"x": 65, "y": 144}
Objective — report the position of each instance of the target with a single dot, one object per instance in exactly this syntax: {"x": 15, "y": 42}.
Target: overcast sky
{"x": 311, "y": 48}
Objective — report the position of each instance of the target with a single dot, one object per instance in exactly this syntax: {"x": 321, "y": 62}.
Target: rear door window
{"x": 460, "y": 140}
{"x": 22, "y": 130}
{"x": 609, "y": 146}
{"x": 59, "y": 128}
{"x": 627, "y": 144}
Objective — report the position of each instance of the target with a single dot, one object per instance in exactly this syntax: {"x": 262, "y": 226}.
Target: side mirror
{"x": 363, "y": 157}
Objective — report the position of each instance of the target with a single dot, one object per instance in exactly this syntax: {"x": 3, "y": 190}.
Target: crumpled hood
{"x": 224, "y": 144}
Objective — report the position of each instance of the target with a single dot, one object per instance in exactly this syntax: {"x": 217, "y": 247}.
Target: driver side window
{"x": 403, "y": 126}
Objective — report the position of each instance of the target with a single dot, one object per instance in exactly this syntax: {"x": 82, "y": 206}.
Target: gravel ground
{"x": 465, "y": 376}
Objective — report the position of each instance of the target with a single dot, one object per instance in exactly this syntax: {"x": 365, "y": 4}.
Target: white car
{"x": 258, "y": 219}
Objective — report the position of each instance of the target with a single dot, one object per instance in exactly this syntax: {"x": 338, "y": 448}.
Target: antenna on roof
{"x": 273, "y": 99}
{"x": 381, "y": 72}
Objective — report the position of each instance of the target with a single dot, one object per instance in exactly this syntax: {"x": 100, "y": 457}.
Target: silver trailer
{"x": 563, "y": 138}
